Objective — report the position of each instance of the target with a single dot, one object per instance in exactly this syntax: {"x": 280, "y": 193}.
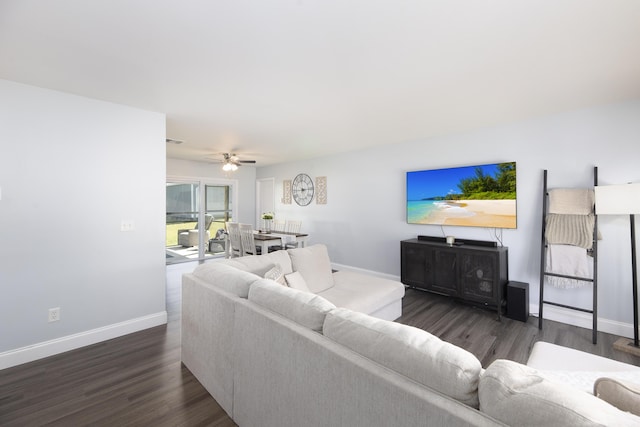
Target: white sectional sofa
{"x": 272, "y": 355}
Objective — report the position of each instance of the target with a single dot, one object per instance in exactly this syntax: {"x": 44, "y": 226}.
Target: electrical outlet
{"x": 54, "y": 314}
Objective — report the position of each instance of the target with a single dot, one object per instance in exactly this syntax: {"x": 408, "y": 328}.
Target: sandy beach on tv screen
{"x": 477, "y": 213}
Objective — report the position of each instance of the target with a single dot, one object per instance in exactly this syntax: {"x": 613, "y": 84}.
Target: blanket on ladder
{"x": 569, "y": 261}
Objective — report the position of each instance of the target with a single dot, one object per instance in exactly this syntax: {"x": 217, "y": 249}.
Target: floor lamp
{"x": 623, "y": 200}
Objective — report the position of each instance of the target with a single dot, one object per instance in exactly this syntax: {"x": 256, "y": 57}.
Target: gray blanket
{"x": 576, "y": 230}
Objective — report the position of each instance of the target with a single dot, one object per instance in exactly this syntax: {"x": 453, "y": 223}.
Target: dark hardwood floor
{"x": 134, "y": 380}
{"x": 138, "y": 380}
{"x": 478, "y": 330}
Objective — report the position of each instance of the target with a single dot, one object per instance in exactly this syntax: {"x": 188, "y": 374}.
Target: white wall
{"x": 71, "y": 169}
{"x": 364, "y": 219}
{"x": 244, "y": 178}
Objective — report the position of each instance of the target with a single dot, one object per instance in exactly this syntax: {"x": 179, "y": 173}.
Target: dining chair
{"x": 278, "y": 225}
{"x": 248, "y": 243}
{"x": 293, "y": 227}
{"x": 235, "y": 241}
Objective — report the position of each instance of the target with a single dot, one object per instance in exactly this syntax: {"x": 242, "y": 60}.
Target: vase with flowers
{"x": 267, "y": 221}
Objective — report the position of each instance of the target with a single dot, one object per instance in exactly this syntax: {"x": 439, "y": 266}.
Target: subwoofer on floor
{"x": 518, "y": 301}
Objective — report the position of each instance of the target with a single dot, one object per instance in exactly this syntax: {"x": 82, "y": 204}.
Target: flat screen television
{"x": 473, "y": 196}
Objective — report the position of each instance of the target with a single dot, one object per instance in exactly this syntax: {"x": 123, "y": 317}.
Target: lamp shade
{"x": 623, "y": 199}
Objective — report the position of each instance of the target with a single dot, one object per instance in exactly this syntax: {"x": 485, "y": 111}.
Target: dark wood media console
{"x": 474, "y": 274}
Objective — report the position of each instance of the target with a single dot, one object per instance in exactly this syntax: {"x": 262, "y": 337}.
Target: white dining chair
{"x": 293, "y": 227}
{"x": 235, "y": 241}
{"x": 278, "y": 225}
{"x": 248, "y": 243}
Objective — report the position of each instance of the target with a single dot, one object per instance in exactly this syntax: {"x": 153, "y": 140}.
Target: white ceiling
{"x": 280, "y": 80}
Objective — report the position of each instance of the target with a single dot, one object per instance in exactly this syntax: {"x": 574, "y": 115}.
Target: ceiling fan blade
{"x": 231, "y": 158}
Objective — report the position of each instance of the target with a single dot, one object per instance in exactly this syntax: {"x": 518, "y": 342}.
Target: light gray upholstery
{"x": 517, "y": 394}
{"x": 314, "y": 265}
{"x": 304, "y": 308}
{"x": 273, "y": 366}
{"x": 268, "y": 367}
{"x": 363, "y": 293}
{"x": 226, "y": 277}
{"x": 290, "y": 376}
{"x": 410, "y": 351}
{"x": 208, "y": 336}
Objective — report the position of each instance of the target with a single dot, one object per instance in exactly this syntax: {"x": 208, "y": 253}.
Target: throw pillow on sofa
{"x": 621, "y": 394}
{"x": 409, "y": 351}
{"x": 314, "y": 265}
{"x": 275, "y": 274}
{"x": 296, "y": 281}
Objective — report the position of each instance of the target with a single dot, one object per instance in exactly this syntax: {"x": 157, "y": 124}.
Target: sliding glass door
{"x": 196, "y": 213}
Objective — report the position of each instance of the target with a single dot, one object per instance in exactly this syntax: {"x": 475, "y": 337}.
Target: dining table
{"x": 278, "y": 238}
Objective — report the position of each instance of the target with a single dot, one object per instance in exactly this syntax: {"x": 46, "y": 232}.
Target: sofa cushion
{"x": 409, "y": 351}
{"x": 260, "y": 264}
{"x": 314, "y": 265}
{"x": 304, "y": 308}
{"x": 226, "y": 277}
{"x": 518, "y": 395}
{"x": 621, "y": 394}
{"x": 362, "y": 292}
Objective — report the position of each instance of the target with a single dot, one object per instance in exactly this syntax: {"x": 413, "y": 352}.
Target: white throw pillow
{"x": 314, "y": 265}
{"x": 518, "y": 395}
{"x": 409, "y": 351}
{"x": 296, "y": 281}
{"x": 304, "y": 308}
{"x": 276, "y": 275}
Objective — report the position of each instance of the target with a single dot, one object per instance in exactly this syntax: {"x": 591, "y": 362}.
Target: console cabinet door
{"x": 446, "y": 273}
{"x": 417, "y": 265}
{"x": 479, "y": 277}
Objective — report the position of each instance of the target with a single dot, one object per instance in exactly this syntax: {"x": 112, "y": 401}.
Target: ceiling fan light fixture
{"x": 229, "y": 167}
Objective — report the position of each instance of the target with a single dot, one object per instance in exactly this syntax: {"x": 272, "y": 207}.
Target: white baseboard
{"x": 71, "y": 342}
{"x": 583, "y": 320}
{"x": 364, "y": 271}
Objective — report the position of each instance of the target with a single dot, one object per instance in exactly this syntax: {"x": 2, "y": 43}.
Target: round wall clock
{"x": 302, "y": 189}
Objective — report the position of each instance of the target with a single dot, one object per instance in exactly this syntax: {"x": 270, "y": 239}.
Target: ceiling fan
{"x": 230, "y": 162}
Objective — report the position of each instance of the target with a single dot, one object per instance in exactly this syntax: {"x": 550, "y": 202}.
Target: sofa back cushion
{"x": 314, "y": 265}
{"x": 260, "y": 264}
{"x": 518, "y": 395}
{"x": 226, "y": 277}
{"x": 409, "y": 351}
{"x": 304, "y": 308}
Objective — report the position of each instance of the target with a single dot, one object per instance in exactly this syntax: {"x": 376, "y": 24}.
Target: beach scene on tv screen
{"x": 476, "y": 196}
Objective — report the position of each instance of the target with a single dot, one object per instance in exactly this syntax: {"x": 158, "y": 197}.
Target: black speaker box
{"x": 518, "y": 301}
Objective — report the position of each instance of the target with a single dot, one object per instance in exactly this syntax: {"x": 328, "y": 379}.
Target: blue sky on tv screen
{"x": 440, "y": 182}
